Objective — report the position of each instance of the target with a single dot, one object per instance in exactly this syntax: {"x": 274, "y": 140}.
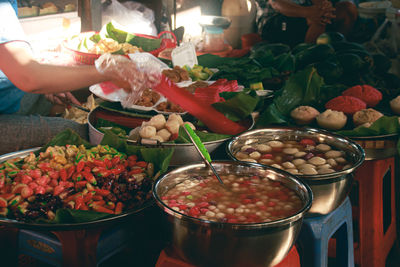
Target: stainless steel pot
{"x": 210, "y": 243}
{"x": 183, "y": 153}
{"x": 329, "y": 190}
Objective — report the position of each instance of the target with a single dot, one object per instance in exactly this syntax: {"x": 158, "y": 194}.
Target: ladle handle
{"x": 201, "y": 149}
{"x": 197, "y": 141}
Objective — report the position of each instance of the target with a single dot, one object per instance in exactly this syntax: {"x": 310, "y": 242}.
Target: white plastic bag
{"x": 132, "y": 16}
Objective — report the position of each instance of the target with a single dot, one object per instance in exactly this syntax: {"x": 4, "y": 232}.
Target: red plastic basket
{"x": 89, "y": 58}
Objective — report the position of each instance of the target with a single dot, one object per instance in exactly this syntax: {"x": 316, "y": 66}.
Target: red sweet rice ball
{"x": 347, "y": 104}
{"x": 366, "y": 93}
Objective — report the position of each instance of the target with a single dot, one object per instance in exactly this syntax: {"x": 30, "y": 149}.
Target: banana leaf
{"x": 78, "y": 216}
{"x": 146, "y": 44}
{"x": 114, "y": 33}
{"x": 302, "y": 88}
{"x": 121, "y": 36}
{"x": 383, "y": 126}
{"x": 160, "y": 157}
{"x": 284, "y": 62}
{"x": 204, "y": 137}
{"x": 213, "y": 61}
{"x": 116, "y": 128}
{"x": 238, "y": 107}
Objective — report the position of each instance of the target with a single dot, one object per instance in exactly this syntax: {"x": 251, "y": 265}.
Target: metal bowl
{"x": 183, "y": 153}
{"x": 210, "y": 243}
{"x": 329, "y": 190}
{"x": 43, "y": 226}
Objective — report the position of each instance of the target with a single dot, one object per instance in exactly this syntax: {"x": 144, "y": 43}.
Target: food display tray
{"x": 65, "y": 226}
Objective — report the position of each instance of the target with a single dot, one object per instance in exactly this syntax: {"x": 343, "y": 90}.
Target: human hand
{"x": 62, "y": 98}
{"x": 321, "y": 13}
{"x": 125, "y": 73}
{"x": 329, "y": 12}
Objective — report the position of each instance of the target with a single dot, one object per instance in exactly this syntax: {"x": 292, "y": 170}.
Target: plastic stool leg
{"x": 374, "y": 244}
{"x": 316, "y": 232}
{"x": 345, "y": 250}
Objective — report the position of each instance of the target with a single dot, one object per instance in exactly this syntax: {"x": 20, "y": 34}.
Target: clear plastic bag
{"x": 140, "y": 71}
{"x": 132, "y": 16}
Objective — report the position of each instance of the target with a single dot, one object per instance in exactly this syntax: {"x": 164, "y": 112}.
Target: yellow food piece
{"x": 78, "y": 115}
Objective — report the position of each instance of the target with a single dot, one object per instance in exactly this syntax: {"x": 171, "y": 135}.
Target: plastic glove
{"x": 126, "y": 73}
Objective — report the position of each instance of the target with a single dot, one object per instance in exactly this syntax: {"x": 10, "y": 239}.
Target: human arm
{"x": 314, "y": 12}
{"x": 27, "y": 74}
{"x": 289, "y": 9}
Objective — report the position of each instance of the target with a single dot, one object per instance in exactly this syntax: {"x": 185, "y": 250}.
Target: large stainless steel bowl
{"x": 210, "y": 243}
{"x": 329, "y": 190}
{"x": 183, "y": 153}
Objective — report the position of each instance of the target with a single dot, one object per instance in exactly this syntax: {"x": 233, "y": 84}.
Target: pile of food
{"x": 72, "y": 177}
{"x": 78, "y": 115}
{"x": 161, "y": 129}
{"x": 246, "y": 199}
{"x": 176, "y": 74}
{"x": 355, "y": 106}
{"x": 305, "y": 156}
{"x": 112, "y": 40}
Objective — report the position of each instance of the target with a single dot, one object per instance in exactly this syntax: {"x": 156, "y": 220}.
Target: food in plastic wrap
{"x": 347, "y": 104}
{"x": 149, "y": 98}
{"x": 304, "y": 115}
{"x": 366, "y": 93}
{"x": 332, "y": 119}
{"x": 364, "y": 116}
{"x": 134, "y": 76}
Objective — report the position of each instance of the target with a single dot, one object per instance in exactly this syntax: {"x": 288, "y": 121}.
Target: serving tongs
{"x": 212, "y": 118}
{"x": 202, "y": 150}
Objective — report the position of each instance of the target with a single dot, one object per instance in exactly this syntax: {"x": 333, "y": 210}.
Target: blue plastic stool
{"x": 45, "y": 247}
{"x": 316, "y": 232}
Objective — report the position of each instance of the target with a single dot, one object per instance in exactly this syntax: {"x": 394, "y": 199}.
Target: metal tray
{"x": 65, "y": 226}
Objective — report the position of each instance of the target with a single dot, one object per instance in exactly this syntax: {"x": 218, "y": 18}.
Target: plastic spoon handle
{"x": 201, "y": 149}
{"x": 196, "y": 140}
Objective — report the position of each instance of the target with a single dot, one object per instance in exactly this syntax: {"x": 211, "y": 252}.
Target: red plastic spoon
{"x": 215, "y": 120}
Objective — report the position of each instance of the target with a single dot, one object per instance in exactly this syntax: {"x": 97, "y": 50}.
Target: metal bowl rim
{"x": 165, "y": 144}
{"x": 306, "y": 129}
{"x": 293, "y": 218}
